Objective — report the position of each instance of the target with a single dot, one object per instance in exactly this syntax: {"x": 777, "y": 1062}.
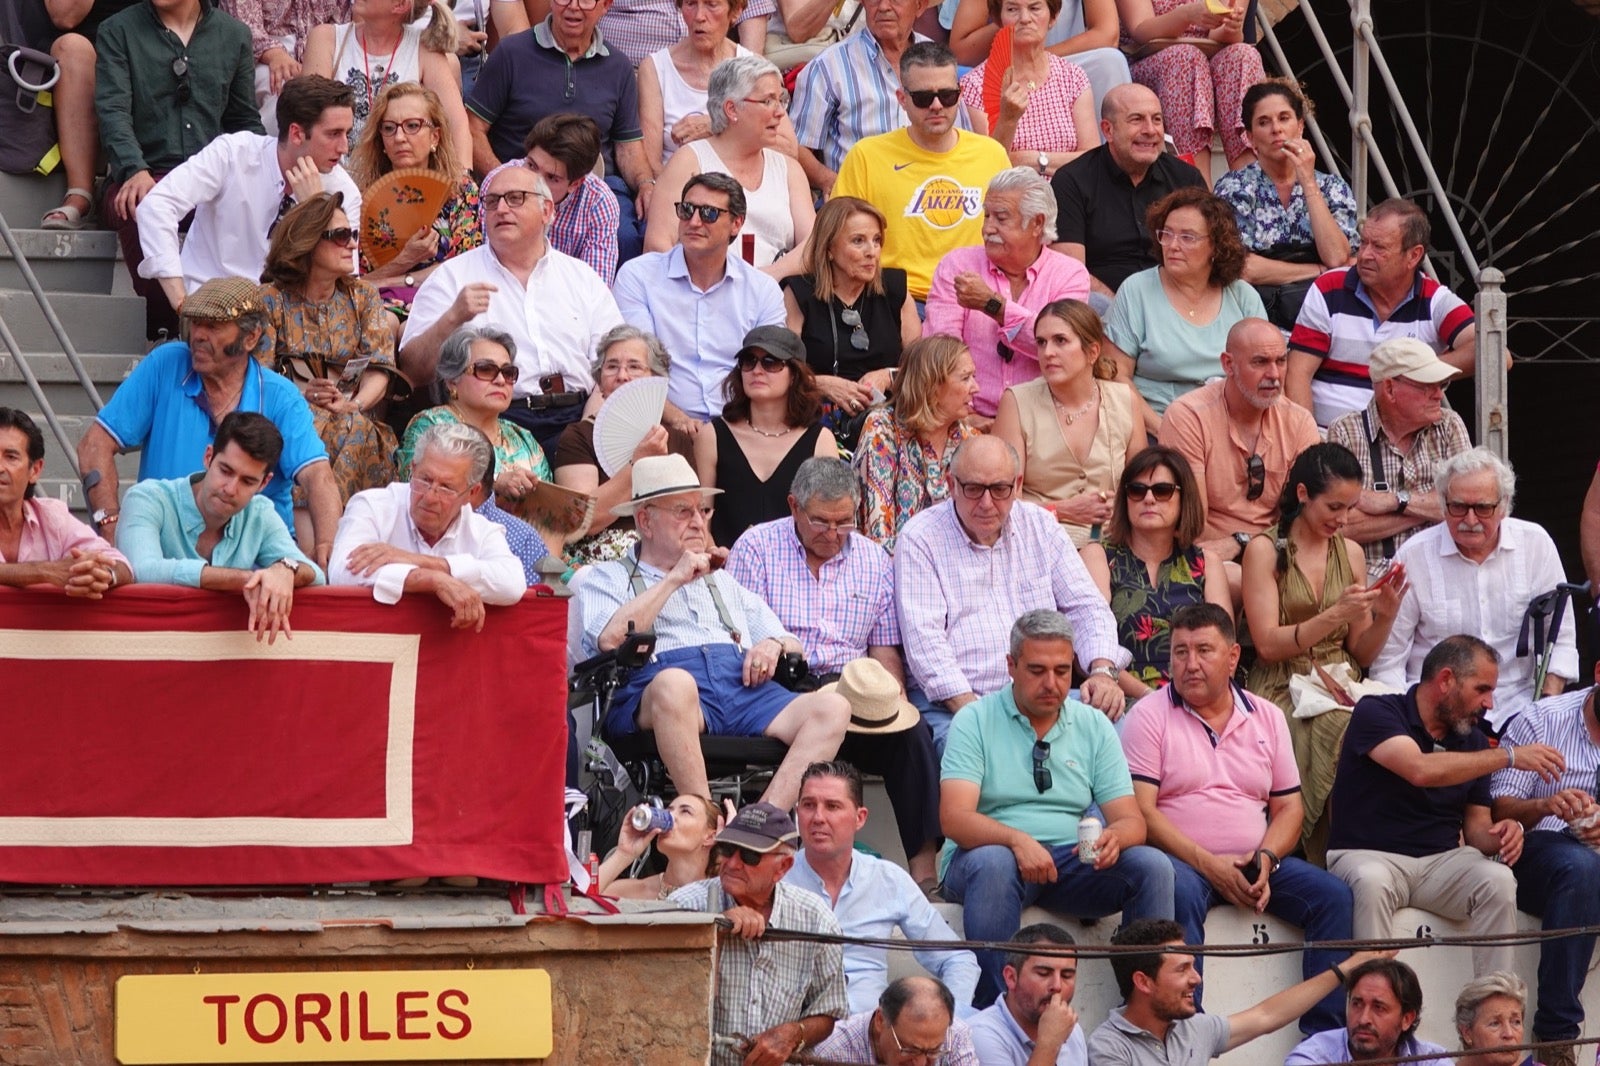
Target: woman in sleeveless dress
{"x": 768, "y": 427}
{"x": 746, "y": 103}
{"x": 1307, "y": 603}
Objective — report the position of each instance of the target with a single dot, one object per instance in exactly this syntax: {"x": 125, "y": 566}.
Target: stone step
{"x": 63, "y": 260}
{"x": 24, "y": 198}
{"x": 95, "y": 322}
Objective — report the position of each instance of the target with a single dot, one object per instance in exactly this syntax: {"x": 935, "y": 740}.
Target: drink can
{"x": 1088, "y": 839}
{"x": 644, "y": 818}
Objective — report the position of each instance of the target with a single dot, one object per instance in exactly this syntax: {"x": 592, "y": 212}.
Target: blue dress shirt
{"x": 161, "y": 526}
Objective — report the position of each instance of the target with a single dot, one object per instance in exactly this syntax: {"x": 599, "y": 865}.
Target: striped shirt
{"x": 958, "y": 599}
{"x": 1339, "y": 325}
{"x": 1412, "y": 472}
{"x": 851, "y": 1041}
{"x": 847, "y": 607}
{"x": 847, "y": 93}
{"x": 1558, "y": 722}
{"x": 765, "y": 983}
{"x": 585, "y": 226}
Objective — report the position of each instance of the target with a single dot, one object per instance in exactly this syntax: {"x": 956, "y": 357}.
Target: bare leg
{"x": 1202, "y": 163}
{"x": 670, "y": 707}
{"x": 77, "y": 129}
{"x": 924, "y": 866}
{"x": 813, "y": 726}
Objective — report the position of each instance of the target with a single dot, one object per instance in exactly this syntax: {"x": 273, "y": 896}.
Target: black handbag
{"x": 27, "y": 108}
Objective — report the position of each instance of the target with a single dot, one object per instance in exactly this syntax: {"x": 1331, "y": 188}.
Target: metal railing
{"x": 1366, "y": 152}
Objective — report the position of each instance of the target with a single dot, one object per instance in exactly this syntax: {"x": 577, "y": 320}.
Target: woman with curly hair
{"x": 1169, "y": 325}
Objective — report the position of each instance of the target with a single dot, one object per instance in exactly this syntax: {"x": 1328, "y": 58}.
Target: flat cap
{"x": 223, "y": 300}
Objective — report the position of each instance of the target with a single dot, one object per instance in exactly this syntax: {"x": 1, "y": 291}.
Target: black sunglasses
{"x": 1256, "y": 470}
{"x": 708, "y": 214}
{"x": 926, "y": 97}
{"x": 770, "y": 363}
{"x": 858, "y": 335}
{"x": 180, "y": 70}
{"x": 1041, "y": 770}
{"x": 484, "y": 370}
{"x": 342, "y": 235}
{"x": 1161, "y": 490}
{"x": 748, "y": 856}
{"x": 974, "y": 490}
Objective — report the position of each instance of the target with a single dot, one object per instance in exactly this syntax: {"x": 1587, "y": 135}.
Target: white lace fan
{"x": 625, "y": 418}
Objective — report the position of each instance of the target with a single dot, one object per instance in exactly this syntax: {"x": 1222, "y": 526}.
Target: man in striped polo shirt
{"x": 1385, "y": 294}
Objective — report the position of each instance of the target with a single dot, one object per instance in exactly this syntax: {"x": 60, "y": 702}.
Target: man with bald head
{"x": 1240, "y": 438}
{"x": 965, "y": 566}
{"x": 1102, "y": 196}
{"x": 915, "y": 1016}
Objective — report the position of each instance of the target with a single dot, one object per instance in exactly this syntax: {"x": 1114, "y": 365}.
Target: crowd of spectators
{"x": 1000, "y": 418}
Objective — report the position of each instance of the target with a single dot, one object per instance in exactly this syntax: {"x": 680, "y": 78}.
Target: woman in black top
{"x": 851, "y": 314}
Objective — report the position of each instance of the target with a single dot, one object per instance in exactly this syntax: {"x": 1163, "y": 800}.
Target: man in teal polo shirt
{"x": 172, "y": 403}
{"x": 212, "y": 531}
{"x": 1020, "y": 768}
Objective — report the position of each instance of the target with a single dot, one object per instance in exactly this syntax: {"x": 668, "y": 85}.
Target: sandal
{"x": 66, "y": 216}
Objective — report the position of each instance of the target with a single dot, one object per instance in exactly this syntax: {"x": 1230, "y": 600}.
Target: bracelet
{"x": 1511, "y": 754}
{"x": 1343, "y": 980}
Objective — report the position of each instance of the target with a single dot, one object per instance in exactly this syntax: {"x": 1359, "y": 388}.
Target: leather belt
{"x": 546, "y": 400}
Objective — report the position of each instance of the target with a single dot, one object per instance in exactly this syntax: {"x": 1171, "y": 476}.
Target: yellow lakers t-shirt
{"x": 933, "y": 200}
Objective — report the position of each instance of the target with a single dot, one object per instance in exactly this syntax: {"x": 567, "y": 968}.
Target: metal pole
{"x": 69, "y": 447}
{"x": 56, "y": 327}
{"x": 1489, "y": 383}
{"x": 1360, "y": 119}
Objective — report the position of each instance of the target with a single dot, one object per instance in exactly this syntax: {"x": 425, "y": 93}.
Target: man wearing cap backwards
{"x": 717, "y": 643}
{"x": 700, "y": 297}
{"x": 172, "y": 403}
{"x": 1399, "y": 439}
{"x": 781, "y": 996}
{"x": 1476, "y": 572}
{"x": 869, "y": 896}
{"x": 834, "y": 589}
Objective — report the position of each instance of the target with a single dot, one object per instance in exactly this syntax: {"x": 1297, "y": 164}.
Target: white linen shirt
{"x": 557, "y": 319}
{"x": 234, "y": 186}
{"x": 474, "y": 547}
{"x": 1451, "y": 594}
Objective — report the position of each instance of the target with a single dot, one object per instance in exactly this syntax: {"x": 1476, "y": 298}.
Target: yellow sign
{"x": 367, "y": 1016}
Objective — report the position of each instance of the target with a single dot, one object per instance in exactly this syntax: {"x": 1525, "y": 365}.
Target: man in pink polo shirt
{"x": 1208, "y": 758}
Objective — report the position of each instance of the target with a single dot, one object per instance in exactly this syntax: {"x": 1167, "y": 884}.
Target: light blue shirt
{"x": 158, "y": 409}
{"x": 161, "y": 526}
{"x": 702, "y": 330}
{"x": 1000, "y": 1041}
{"x": 877, "y": 898}
{"x": 1333, "y": 1045}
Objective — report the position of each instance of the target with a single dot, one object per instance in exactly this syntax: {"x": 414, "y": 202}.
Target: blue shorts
{"x": 730, "y": 709}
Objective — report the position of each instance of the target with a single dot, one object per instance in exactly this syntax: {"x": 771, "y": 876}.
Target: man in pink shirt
{"x": 1214, "y": 776}
{"x": 989, "y": 295}
{"x": 41, "y": 543}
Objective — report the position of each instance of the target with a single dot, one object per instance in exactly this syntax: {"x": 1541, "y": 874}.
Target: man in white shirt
{"x": 425, "y": 537}
{"x": 1476, "y": 572}
{"x": 554, "y": 306}
{"x": 240, "y": 184}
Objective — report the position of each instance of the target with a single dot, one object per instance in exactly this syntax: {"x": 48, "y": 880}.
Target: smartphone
{"x": 1388, "y": 575}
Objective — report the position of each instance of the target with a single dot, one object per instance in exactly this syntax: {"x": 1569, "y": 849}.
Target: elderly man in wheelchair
{"x": 717, "y": 645}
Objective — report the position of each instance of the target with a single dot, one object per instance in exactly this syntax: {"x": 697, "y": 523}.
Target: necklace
{"x": 774, "y": 436}
{"x": 496, "y": 439}
{"x": 386, "y": 71}
{"x": 1070, "y": 417}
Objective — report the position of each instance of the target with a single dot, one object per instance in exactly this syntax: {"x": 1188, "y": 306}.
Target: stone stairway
{"x": 87, "y": 285}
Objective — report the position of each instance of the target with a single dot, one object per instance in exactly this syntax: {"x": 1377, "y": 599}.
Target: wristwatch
{"x": 1402, "y": 500}
{"x": 411, "y": 281}
{"x": 102, "y": 516}
{"x": 1104, "y": 671}
{"x": 294, "y": 565}
{"x": 1243, "y": 540}
{"x": 1044, "y": 162}
{"x": 994, "y": 307}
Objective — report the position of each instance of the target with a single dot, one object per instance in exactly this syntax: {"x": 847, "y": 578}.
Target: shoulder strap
{"x": 1379, "y": 482}
{"x": 636, "y": 582}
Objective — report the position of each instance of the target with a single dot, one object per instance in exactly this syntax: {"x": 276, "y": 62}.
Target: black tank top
{"x": 746, "y": 500}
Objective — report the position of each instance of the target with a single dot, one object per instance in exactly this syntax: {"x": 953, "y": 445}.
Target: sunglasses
{"x": 180, "y": 70}
{"x": 1041, "y": 769}
{"x": 858, "y": 334}
{"x": 343, "y": 235}
{"x": 708, "y": 214}
{"x": 748, "y": 856}
{"x": 1161, "y": 490}
{"x": 924, "y": 98}
{"x": 974, "y": 490}
{"x": 770, "y": 363}
{"x": 486, "y": 371}
{"x": 285, "y": 205}
{"x": 411, "y": 126}
{"x": 1459, "y": 509}
{"x": 1255, "y": 469}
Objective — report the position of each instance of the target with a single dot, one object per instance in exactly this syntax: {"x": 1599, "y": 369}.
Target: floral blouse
{"x": 900, "y": 475}
{"x": 1263, "y": 220}
{"x": 517, "y": 446}
{"x": 457, "y": 226}
{"x": 1144, "y": 611}
{"x": 309, "y": 339}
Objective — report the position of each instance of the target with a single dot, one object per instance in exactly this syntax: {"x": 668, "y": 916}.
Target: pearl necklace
{"x": 773, "y": 436}
{"x": 1070, "y": 417}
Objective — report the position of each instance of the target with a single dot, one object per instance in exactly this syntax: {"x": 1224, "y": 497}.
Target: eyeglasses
{"x": 1041, "y": 768}
{"x": 683, "y": 512}
{"x": 924, "y": 98}
{"x": 343, "y": 235}
{"x": 913, "y": 1051}
{"x": 708, "y": 214}
{"x": 426, "y": 486}
{"x": 1161, "y": 490}
{"x": 748, "y": 856}
{"x": 581, "y": 5}
{"x": 412, "y": 126}
{"x": 858, "y": 334}
{"x": 1256, "y": 470}
{"x": 974, "y": 490}
{"x": 1459, "y": 508}
{"x": 1178, "y": 237}
{"x": 180, "y": 70}
{"x": 776, "y": 102}
{"x": 486, "y": 371}
{"x": 514, "y": 198}
{"x": 822, "y": 525}
{"x": 748, "y": 361}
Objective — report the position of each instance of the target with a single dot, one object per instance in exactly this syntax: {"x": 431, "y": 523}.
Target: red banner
{"x": 150, "y": 740}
